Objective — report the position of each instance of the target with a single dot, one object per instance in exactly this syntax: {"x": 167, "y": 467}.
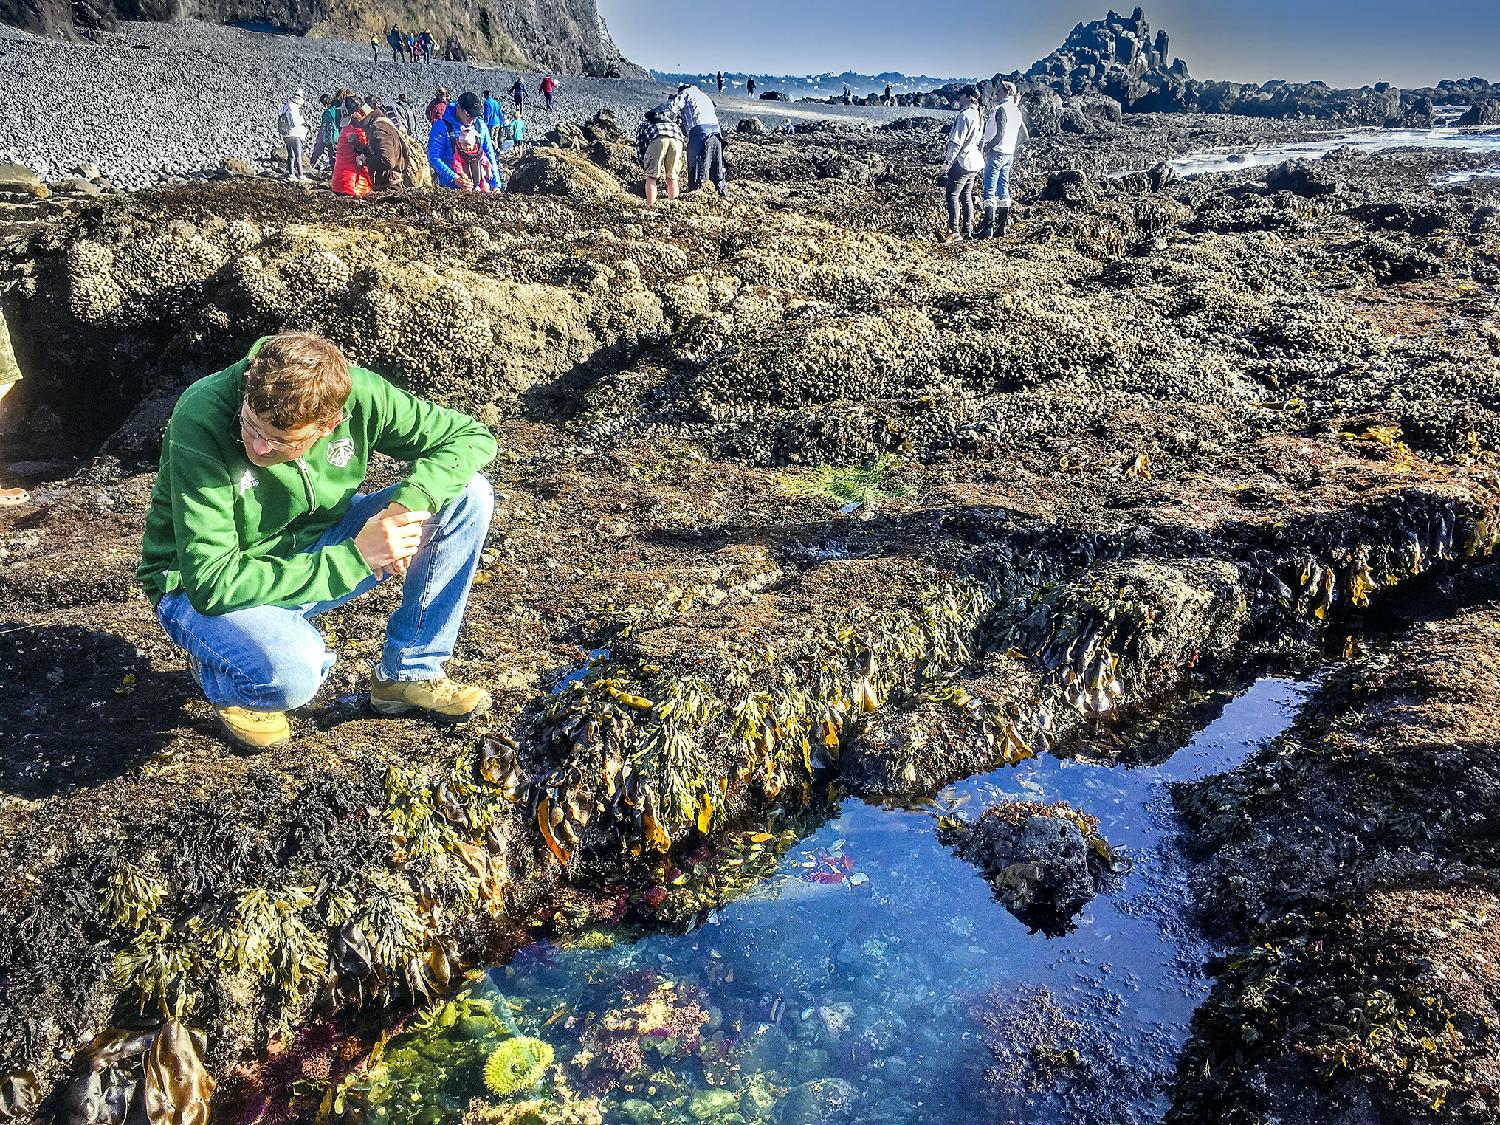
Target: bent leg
{"x": 264, "y": 658}
{"x": 421, "y": 633}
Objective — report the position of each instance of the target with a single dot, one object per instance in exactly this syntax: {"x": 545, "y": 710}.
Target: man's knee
{"x": 476, "y": 501}
{"x": 289, "y": 677}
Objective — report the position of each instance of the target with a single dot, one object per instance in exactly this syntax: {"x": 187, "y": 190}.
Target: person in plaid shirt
{"x": 660, "y": 149}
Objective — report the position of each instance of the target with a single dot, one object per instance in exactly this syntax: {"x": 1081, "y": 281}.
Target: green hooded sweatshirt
{"x": 233, "y": 535}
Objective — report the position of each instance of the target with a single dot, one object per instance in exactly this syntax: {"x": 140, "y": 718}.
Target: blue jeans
{"x": 697, "y": 143}
{"x": 267, "y": 658}
{"x": 997, "y": 179}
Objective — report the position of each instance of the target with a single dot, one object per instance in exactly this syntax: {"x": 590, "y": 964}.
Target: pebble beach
{"x": 156, "y": 102}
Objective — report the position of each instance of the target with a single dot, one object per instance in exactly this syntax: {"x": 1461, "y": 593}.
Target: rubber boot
{"x": 987, "y": 226}
{"x": 1002, "y": 220}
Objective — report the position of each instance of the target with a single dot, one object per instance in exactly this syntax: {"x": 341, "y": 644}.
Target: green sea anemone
{"x": 517, "y": 1064}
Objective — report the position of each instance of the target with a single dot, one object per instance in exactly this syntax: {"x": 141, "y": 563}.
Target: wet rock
{"x": 1305, "y": 178}
{"x": 824, "y": 1100}
{"x": 1328, "y": 859}
{"x": 232, "y": 166}
{"x": 1481, "y": 113}
{"x": 1045, "y": 862}
{"x": 750, "y": 125}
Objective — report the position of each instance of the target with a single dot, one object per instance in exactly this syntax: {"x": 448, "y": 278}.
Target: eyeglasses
{"x": 281, "y": 445}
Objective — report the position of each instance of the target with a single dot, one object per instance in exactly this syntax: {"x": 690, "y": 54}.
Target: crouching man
{"x": 257, "y": 525}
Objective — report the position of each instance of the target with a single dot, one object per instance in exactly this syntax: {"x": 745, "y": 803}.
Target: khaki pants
{"x": 665, "y": 159}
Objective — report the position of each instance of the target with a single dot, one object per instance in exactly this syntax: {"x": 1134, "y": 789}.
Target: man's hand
{"x": 390, "y": 538}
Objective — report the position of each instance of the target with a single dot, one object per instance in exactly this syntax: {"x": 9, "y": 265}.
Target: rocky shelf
{"x": 790, "y": 495}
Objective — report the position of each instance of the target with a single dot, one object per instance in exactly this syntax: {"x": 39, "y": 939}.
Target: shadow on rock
{"x": 80, "y": 707}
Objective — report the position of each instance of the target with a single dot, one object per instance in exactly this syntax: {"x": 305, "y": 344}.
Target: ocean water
{"x": 872, "y": 976}
{"x": 1361, "y": 141}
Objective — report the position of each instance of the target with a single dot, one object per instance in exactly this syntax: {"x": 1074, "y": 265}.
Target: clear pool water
{"x": 873, "y": 978}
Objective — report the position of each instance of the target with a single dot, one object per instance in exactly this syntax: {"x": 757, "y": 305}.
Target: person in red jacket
{"x": 351, "y": 171}
{"x": 438, "y": 106}
{"x": 548, "y": 87}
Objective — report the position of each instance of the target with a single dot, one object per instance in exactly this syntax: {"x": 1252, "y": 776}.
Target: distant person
{"x": 847, "y": 93}
{"x": 700, "y": 121}
{"x": 494, "y": 118}
{"x": 453, "y": 166}
{"x": 374, "y": 51}
{"x": 293, "y": 132}
{"x": 256, "y": 525}
{"x": 548, "y": 88}
{"x": 1003, "y": 130}
{"x": 351, "y": 171}
{"x": 411, "y": 47}
{"x": 438, "y": 106}
{"x": 517, "y": 133}
{"x": 962, "y": 163}
{"x": 405, "y": 117}
{"x": 518, "y": 94}
{"x": 750, "y": 86}
{"x": 424, "y": 44}
{"x": 328, "y": 132}
{"x": 788, "y": 128}
{"x": 393, "y": 37}
{"x": 10, "y": 375}
{"x": 660, "y": 149}
{"x": 719, "y": 78}
{"x": 889, "y": 96}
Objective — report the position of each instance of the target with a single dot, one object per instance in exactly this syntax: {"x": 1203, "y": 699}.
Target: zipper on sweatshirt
{"x": 312, "y": 502}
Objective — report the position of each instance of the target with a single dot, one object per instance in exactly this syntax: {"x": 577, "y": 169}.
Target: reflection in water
{"x": 872, "y": 977}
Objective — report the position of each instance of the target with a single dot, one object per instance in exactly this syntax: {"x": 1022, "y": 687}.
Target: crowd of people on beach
{"x": 368, "y": 144}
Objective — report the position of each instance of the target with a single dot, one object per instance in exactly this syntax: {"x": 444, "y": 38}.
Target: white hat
{"x": 296, "y": 95}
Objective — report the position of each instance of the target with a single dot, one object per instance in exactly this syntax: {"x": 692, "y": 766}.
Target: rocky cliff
{"x": 566, "y": 36}
{"x": 1112, "y": 52}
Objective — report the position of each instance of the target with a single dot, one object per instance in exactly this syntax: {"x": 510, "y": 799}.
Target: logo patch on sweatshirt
{"x": 247, "y": 481}
{"x": 340, "y": 452}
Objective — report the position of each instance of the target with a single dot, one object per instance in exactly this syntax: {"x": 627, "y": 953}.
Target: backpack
{"x": 416, "y": 174}
{"x": 284, "y": 123}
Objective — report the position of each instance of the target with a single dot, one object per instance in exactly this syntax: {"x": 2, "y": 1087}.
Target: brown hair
{"x": 297, "y": 379}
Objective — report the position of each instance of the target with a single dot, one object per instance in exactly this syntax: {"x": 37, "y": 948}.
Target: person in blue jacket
{"x": 494, "y": 117}
{"x": 467, "y": 110}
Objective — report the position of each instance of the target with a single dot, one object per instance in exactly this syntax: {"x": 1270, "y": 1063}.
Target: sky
{"x": 1343, "y": 42}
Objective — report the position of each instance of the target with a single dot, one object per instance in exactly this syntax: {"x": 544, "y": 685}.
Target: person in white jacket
{"x": 1003, "y": 130}
{"x": 963, "y": 163}
{"x": 293, "y": 133}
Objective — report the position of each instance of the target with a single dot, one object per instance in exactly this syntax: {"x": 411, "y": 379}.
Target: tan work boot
{"x": 14, "y": 497}
{"x": 443, "y": 697}
{"x": 255, "y": 730}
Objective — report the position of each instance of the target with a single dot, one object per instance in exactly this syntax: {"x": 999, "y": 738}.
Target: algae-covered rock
{"x": 560, "y": 171}
{"x": 712, "y": 1105}
{"x": 1045, "y": 862}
